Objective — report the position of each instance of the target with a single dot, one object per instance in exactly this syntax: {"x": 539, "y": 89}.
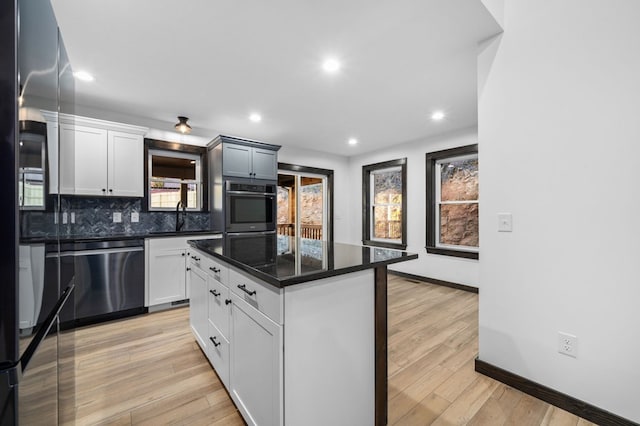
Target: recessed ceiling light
{"x": 83, "y": 75}
{"x": 331, "y": 65}
{"x": 256, "y": 118}
{"x": 353, "y": 141}
{"x": 437, "y": 116}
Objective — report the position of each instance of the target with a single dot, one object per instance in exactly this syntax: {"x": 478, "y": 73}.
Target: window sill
{"x": 383, "y": 244}
{"x": 454, "y": 253}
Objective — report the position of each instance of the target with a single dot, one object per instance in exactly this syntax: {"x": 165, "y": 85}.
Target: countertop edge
{"x": 303, "y": 278}
{"x": 81, "y": 238}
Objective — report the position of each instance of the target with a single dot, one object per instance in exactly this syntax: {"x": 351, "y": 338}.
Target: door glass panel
{"x": 311, "y": 207}
{"x": 301, "y": 206}
{"x": 287, "y": 205}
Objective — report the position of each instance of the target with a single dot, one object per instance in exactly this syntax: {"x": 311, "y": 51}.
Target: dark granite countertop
{"x": 111, "y": 237}
{"x": 298, "y": 260}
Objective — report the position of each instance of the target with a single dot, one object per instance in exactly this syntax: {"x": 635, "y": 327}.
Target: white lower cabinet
{"x": 256, "y": 364}
{"x": 198, "y": 288}
{"x": 166, "y": 261}
{"x": 218, "y": 353}
{"x": 303, "y": 354}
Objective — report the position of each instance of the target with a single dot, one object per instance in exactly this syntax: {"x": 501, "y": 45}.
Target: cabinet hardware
{"x": 216, "y": 270}
{"x": 243, "y": 287}
{"x": 213, "y": 340}
{"x": 111, "y": 190}
{"x": 104, "y": 190}
{"x": 215, "y": 293}
{"x": 196, "y": 258}
{"x": 188, "y": 269}
{"x": 182, "y": 254}
{"x": 227, "y": 301}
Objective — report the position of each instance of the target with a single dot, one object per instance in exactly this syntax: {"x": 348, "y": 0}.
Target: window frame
{"x": 367, "y": 207}
{"x": 433, "y": 159}
{"x": 176, "y": 150}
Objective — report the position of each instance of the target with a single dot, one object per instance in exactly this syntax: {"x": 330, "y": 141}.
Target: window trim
{"x": 179, "y": 150}
{"x": 432, "y": 158}
{"x": 366, "y": 203}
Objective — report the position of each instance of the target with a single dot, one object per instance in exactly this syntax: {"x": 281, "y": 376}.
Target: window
{"x": 384, "y": 187}
{"x": 174, "y": 177}
{"x": 453, "y": 202}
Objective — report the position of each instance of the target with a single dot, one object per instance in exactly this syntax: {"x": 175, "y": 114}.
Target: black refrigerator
{"x": 36, "y": 84}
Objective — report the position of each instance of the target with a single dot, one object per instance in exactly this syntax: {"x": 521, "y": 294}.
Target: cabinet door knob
{"x": 104, "y": 190}
{"x": 215, "y": 293}
{"x": 243, "y": 287}
{"x": 182, "y": 254}
{"x": 227, "y": 301}
{"x": 213, "y": 340}
{"x": 111, "y": 190}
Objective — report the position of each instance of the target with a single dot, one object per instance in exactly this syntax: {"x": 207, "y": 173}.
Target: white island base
{"x": 303, "y": 354}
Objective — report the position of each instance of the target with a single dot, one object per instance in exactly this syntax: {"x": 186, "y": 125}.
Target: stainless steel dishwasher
{"x": 109, "y": 277}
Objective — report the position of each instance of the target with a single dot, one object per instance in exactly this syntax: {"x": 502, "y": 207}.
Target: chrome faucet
{"x": 180, "y": 219}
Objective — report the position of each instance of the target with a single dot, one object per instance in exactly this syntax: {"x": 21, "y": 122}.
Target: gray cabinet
{"x": 250, "y": 162}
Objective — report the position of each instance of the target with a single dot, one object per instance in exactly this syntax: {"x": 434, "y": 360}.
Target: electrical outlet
{"x": 568, "y": 344}
{"x": 64, "y": 218}
{"x": 73, "y": 217}
{"x": 135, "y": 217}
{"x": 117, "y": 217}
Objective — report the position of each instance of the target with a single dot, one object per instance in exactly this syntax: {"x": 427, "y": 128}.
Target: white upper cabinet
{"x": 101, "y": 158}
{"x": 126, "y": 164}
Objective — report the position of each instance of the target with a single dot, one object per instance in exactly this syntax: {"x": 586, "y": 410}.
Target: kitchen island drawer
{"x": 218, "y": 353}
{"x": 219, "y": 306}
{"x": 261, "y": 296}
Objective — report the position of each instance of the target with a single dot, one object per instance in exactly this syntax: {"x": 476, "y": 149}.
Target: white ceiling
{"x": 217, "y": 61}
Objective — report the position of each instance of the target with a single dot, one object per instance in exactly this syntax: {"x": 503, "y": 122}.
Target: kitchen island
{"x": 296, "y": 329}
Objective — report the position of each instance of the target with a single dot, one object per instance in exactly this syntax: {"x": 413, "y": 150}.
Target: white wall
{"x": 559, "y": 135}
{"x": 339, "y": 165}
{"x": 453, "y": 269}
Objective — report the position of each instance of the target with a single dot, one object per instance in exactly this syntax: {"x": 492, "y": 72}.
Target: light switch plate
{"x": 64, "y": 218}
{"x": 135, "y": 217}
{"x": 117, "y": 217}
{"x": 505, "y": 222}
{"x": 73, "y": 217}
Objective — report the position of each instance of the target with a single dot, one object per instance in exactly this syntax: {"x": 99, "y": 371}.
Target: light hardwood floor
{"x": 149, "y": 370}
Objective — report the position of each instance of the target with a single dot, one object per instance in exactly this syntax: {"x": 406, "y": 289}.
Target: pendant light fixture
{"x": 182, "y": 125}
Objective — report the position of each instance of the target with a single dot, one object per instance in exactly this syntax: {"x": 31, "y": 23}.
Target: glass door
{"x": 302, "y": 205}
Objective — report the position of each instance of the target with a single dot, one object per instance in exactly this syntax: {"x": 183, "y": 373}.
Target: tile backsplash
{"x": 94, "y": 217}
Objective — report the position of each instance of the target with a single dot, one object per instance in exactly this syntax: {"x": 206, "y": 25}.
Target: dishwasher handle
{"x": 95, "y": 252}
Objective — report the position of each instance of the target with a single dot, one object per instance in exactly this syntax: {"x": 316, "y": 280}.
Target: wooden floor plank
{"x": 148, "y": 370}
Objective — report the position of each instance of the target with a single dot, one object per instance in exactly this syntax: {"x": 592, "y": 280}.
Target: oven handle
{"x": 249, "y": 234}
{"x": 253, "y": 194}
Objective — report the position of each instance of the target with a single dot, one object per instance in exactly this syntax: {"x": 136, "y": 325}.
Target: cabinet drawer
{"x": 219, "y": 306}
{"x": 218, "y": 353}
{"x": 217, "y": 271}
{"x": 198, "y": 259}
{"x": 264, "y": 297}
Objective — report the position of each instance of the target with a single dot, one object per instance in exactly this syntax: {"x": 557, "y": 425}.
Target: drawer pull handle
{"x": 215, "y": 293}
{"x": 216, "y": 270}
{"x": 188, "y": 269}
{"x": 196, "y": 258}
{"x": 243, "y": 287}
{"x": 227, "y": 301}
{"x": 213, "y": 340}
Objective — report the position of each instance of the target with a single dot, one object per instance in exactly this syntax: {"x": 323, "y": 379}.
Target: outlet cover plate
{"x": 117, "y": 217}
{"x": 505, "y": 222}
{"x": 135, "y": 217}
{"x": 568, "y": 344}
